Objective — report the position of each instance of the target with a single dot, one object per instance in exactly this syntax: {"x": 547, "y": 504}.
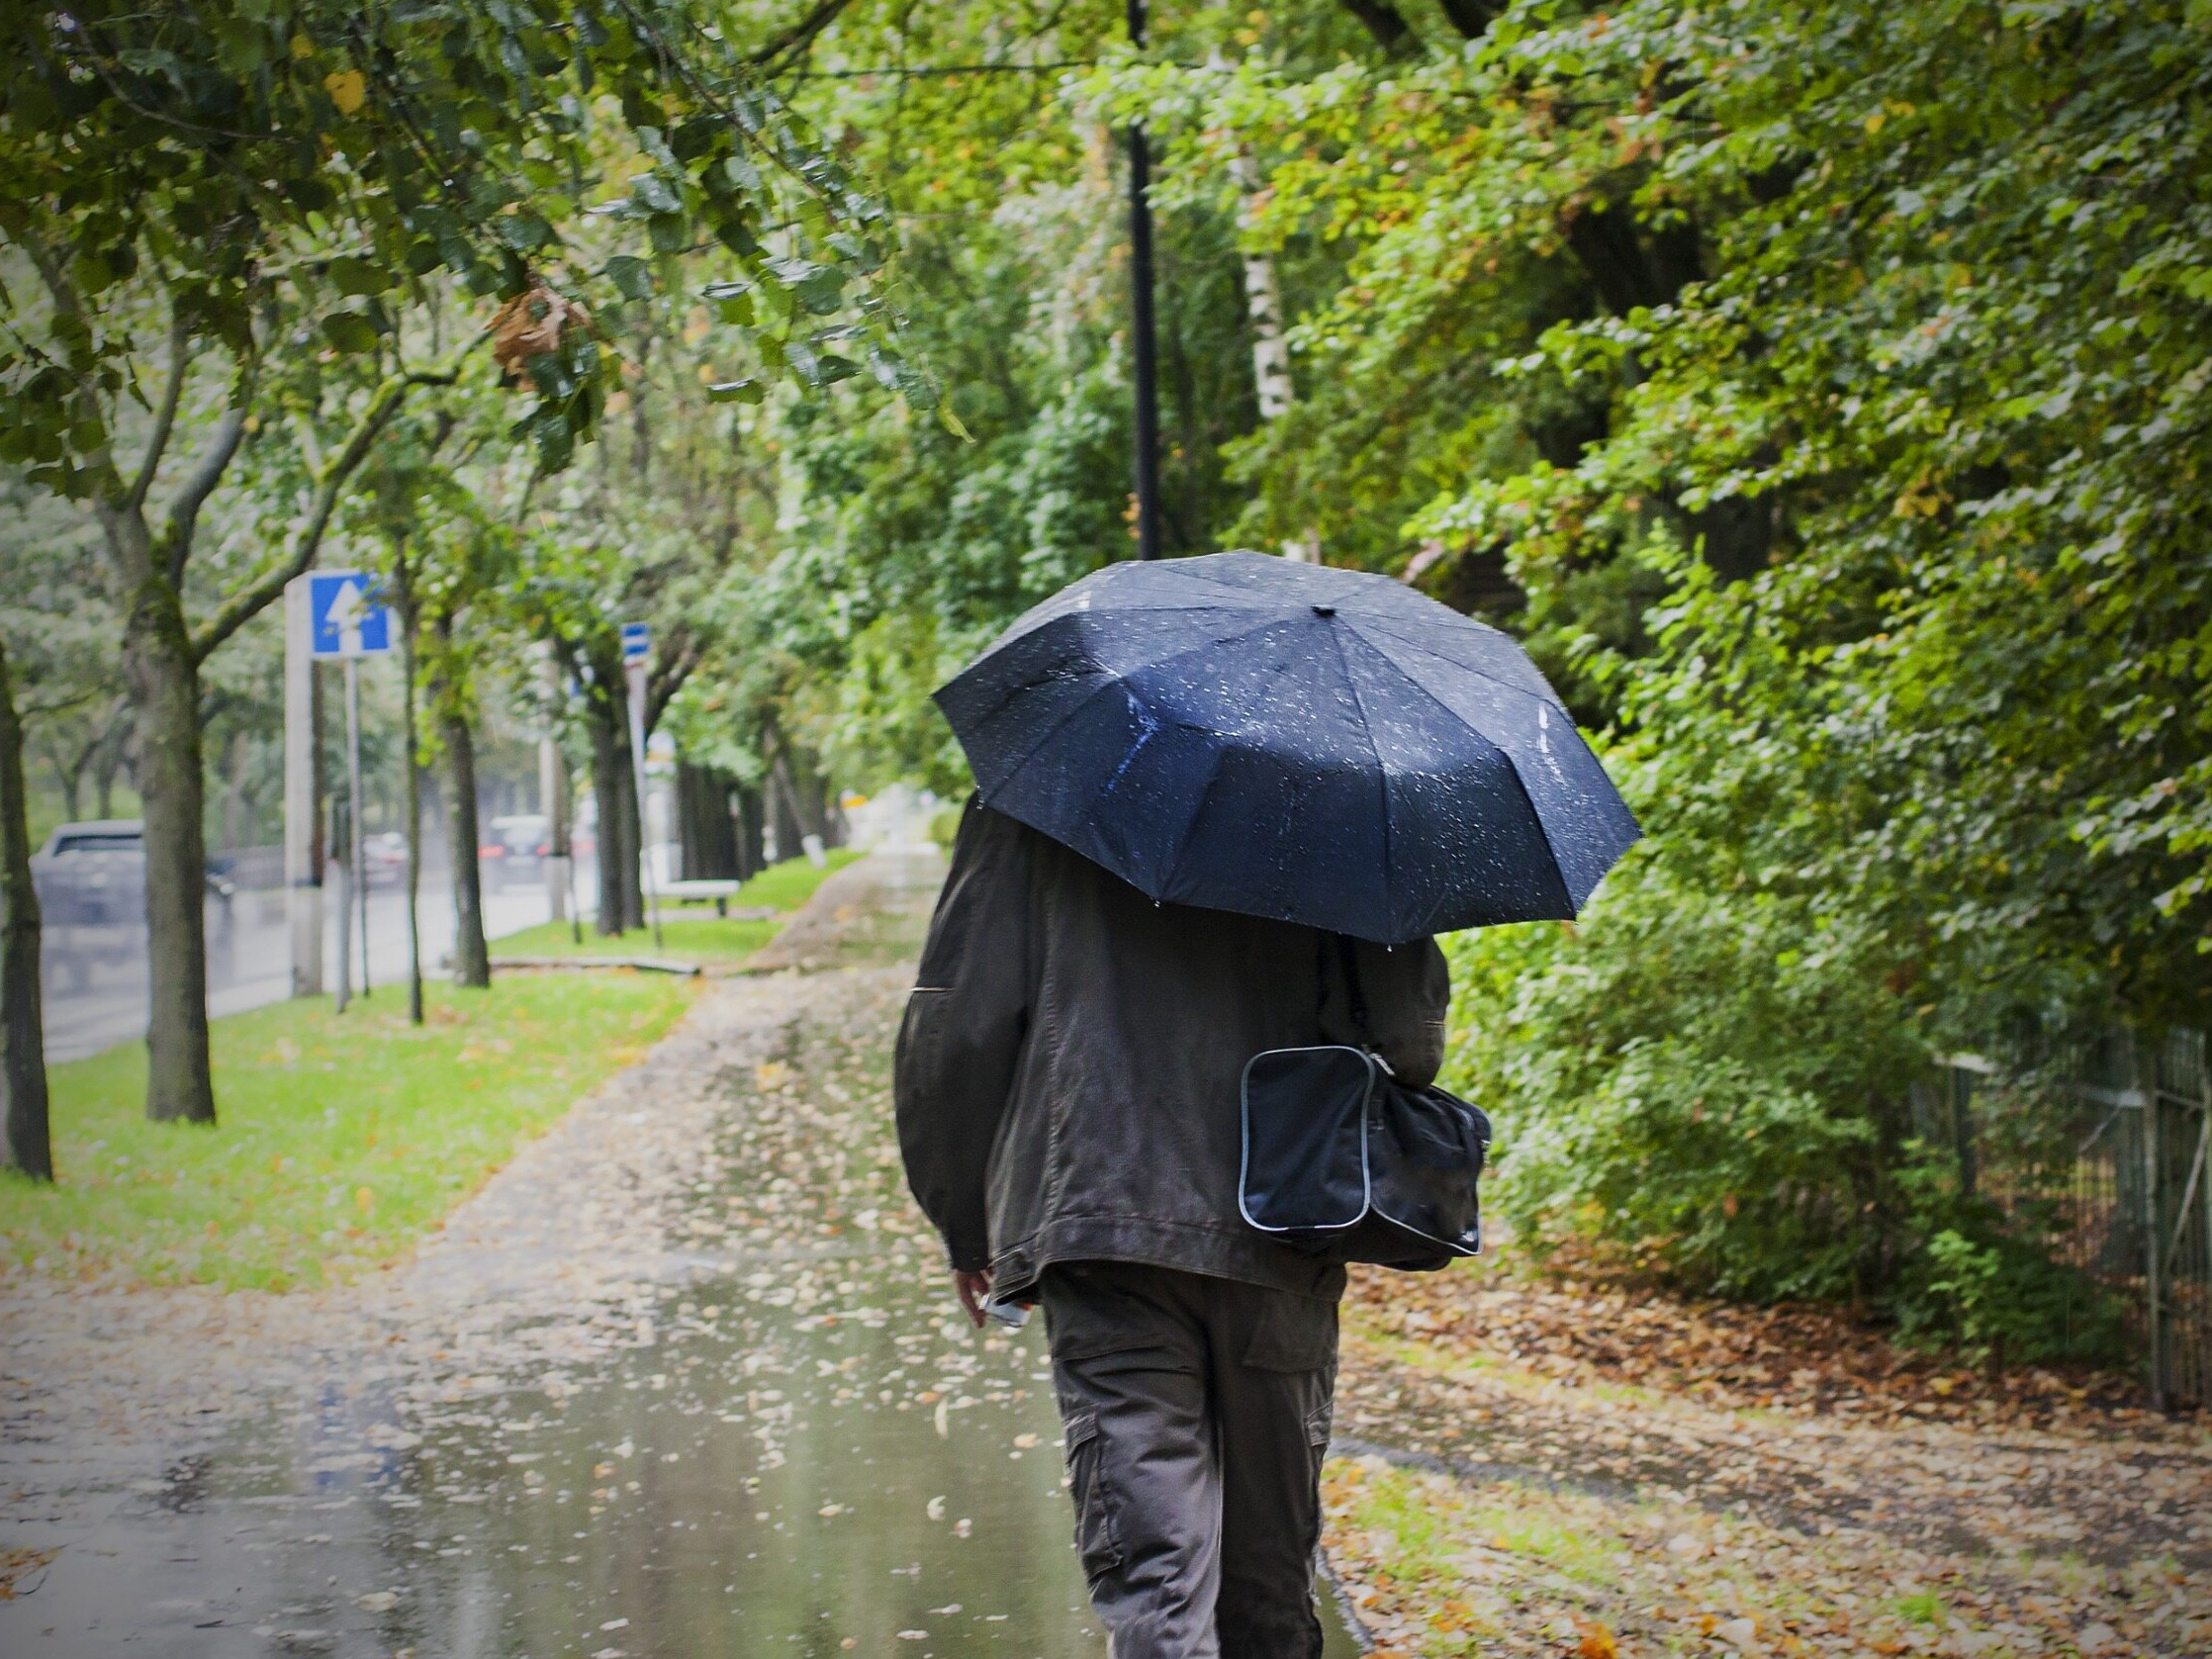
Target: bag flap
{"x": 1305, "y": 1163}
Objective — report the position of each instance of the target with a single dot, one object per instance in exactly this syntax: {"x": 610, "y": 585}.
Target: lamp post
{"x": 1145, "y": 347}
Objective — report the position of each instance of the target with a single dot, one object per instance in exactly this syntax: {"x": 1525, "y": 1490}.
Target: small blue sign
{"x": 348, "y": 615}
{"x": 637, "y": 643}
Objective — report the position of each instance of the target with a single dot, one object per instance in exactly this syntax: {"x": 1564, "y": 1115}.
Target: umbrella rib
{"x": 1008, "y": 638}
{"x": 1511, "y": 770}
{"x": 1382, "y": 768}
{"x": 1360, "y": 623}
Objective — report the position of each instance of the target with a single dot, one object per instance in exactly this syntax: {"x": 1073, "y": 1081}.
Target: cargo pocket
{"x": 1098, "y": 1537}
{"x": 1317, "y": 1425}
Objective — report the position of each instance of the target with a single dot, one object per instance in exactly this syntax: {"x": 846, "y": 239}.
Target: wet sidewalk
{"x": 685, "y": 1378}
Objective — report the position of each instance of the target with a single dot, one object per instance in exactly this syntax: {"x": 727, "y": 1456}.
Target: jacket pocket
{"x": 1098, "y": 1535}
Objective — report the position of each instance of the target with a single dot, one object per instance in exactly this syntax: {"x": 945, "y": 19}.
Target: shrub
{"x": 1714, "y": 1084}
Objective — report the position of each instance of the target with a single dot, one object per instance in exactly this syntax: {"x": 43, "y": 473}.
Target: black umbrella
{"x": 1244, "y": 733}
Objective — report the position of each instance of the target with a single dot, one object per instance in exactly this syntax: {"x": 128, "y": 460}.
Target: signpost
{"x": 346, "y": 620}
{"x": 303, "y": 876}
{"x": 637, "y": 647}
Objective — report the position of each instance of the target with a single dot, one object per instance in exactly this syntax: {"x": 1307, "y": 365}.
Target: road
{"x": 250, "y": 965}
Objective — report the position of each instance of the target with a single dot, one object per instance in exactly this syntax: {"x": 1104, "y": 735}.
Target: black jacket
{"x": 1068, "y": 1071}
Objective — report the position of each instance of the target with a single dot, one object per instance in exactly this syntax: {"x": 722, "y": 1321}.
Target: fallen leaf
{"x": 1739, "y": 1633}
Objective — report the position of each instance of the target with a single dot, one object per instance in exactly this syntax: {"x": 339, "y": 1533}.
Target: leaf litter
{"x": 1558, "y": 1463}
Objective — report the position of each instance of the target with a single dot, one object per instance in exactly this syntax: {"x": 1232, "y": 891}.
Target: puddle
{"x": 782, "y": 1441}
{"x": 746, "y": 1489}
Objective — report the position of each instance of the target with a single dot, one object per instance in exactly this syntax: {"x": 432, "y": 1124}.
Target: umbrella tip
{"x": 1325, "y": 610}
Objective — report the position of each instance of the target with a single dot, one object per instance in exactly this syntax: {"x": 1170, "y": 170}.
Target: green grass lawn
{"x": 343, "y": 1137}
{"x": 691, "y": 932}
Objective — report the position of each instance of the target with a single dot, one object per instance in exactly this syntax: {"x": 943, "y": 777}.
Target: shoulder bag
{"x": 1344, "y": 1162}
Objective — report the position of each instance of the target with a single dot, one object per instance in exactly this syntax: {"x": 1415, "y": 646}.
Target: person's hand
{"x": 974, "y": 1290}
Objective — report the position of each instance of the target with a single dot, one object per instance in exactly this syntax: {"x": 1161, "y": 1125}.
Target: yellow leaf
{"x": 302, "y": 46}
{"x": 1596, "y": 1641}
{"x": 347, "y": 88}
{"x": 365, "y": 1200}
{"x": 1875, "y": 120}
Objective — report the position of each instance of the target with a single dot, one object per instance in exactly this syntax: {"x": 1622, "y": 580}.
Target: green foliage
{"x": 790, "y": 884}
{"x": 2004, "y": 1300}
{"x": 346, "y": 1138}
{"x": 1822, "y": 392}
{"x": 331, "y": 161}
{"x": 944, "y": 826}
{"x": 1713, "y": 1084}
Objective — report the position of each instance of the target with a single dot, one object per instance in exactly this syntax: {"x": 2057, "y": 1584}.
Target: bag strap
{"x": 1347, "y": 957}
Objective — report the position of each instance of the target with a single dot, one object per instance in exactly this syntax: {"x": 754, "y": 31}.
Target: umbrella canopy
{"x": 1241, "y": 732}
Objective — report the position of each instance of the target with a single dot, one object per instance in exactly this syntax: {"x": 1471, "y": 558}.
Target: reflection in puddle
{"x": 863, "y": 1480}
{"x": 798, "y": 1449}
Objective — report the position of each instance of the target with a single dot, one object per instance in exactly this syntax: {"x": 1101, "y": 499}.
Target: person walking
{"x": 1168, "y": 1063}
{"x": 1066, "y": 1086}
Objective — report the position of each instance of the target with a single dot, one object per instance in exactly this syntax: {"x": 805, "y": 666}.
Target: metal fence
{"x": 2099, "y": 1149}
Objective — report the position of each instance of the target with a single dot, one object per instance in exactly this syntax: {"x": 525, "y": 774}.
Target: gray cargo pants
{"x": 1197, "y": 1412}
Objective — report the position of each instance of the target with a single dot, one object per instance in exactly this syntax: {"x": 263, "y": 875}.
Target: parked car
{"x": 516, "y": 848}
{"x": 91, "y": 880}
{"x": 92, "y": 875}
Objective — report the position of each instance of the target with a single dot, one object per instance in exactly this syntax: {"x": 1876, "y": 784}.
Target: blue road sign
{"x": 637, "y": 643}
{"x": 349, "y": 619}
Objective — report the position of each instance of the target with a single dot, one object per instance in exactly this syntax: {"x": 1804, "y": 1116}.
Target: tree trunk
{"x": 472, "y": 957}
{"x": 1264, "y": 308}
{"x": 1264, "y": 302}
{"x": 745, "y": 811}
{"x": 610, "y": 770}
{"x": 1381, "y": 20}
{"x": 235, "y": 802}
{"x": 69, "y": 778}
{"x": 806, "y": 792}
{"x": 23, "y": 1055}
{"x": 783, "y": 813}
{"x": 709, "y": 834}
{"x": 165, "y": 686}
{"x": 105, "y": 765}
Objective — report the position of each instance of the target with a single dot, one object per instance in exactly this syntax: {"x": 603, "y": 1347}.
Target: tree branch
{"x": 165, "y": 418}
{"x": 660, "y": 687}
{"x": 68, "y": 302}
{"x": 1392, "y": 33}
{"x": 802, "y": 36}
{"x": 384, "y": 404}
{"x": 1472, "y": 17}
{"x": 60, "y": 705}
{"x": 244, "y": 607}
{"x": 184, "y": 512}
